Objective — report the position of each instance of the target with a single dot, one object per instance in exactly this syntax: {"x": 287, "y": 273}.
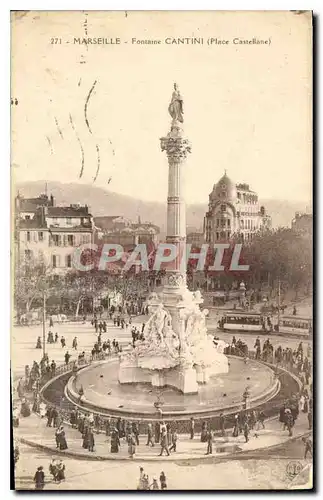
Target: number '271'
{"x": 55, "y": 41}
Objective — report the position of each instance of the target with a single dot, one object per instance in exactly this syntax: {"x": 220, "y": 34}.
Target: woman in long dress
{"x": 25, "y": 408}
{"x": 85, "y": 437}
{"x": 131, "y": 445}
{"x": 61, "y": 439}
{"x": 115, "y": 441}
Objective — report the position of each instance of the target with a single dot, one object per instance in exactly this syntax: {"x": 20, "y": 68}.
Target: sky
{"x": 247, "y": 108}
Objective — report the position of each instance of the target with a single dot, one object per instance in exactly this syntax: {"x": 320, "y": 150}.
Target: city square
{"x": 174, "y": 353}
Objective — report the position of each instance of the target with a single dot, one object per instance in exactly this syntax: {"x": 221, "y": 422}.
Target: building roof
{"x": 225, "y": 189}
{"x": 35, "y": 223}
{"x": 71, "y": 211}
{"x": 105, "y": 221}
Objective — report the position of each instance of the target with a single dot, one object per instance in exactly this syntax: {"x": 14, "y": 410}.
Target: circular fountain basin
{"x": 223, "y": 393}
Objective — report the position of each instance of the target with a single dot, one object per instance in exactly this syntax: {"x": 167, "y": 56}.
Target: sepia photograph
{"x": 162, "y": 250}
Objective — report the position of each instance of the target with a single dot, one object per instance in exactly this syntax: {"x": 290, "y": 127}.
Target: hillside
{"x": 104, "y": 202}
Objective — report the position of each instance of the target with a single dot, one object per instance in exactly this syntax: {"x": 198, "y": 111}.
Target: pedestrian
{"x": 135, "y": 431}
{"x": 141, "y": 476}
{"x": 209, "y": 448}
{"x": 235, "y": 432}
{"x": 154, "y": 485}
{"x": 115, "y": 441}
{"x": 192, "y": 426}
{"x": 150, "y": 436}
{"x": 49, "y": 415}
{"x": 55, "y": 417}
{"x": 309, "y": 418}
{"x": 163, "y": 441}
{"x": 162, "y": 479}
{"x": 308, "y": 446}
{"x": 53, "y": 368}
{"x": 252, "y": 419}
{"x": 61, "y": 439}
{"x": 63, "y": 342}
{"x": 67, "y": 357}
{"x": 74, "y": 343}
{"x": 174, "y": 441}
{"x": 261, "y": 419}
{"x": 131, "y": 445}
{"x": 145, "y": 482}
{"x": 90, "y": 439}
{"x": 85, "y": 437}
{"x": 157, "y": 432}
{"x": 56, "y": 337}
{"x": 204, "y": 432}
{"x": 289, "y": 421}
{"x": 39, "y": 478}
{"x": 246, "y": 431}
{"x": 73, "y": 418}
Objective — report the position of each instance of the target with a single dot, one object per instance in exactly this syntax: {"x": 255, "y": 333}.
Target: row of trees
{"x": 282, "y": 255}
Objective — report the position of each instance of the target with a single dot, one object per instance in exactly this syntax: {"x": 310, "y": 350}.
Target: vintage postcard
{"x": 162, "y": 227}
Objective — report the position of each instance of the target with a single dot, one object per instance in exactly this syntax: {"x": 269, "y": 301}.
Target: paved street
{"x": 262, "y": 472}
{"x": 217, "y": 472}
{"x": 24, "y": 340}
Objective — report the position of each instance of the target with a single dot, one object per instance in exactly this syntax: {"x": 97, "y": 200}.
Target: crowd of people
{"x": 122, "y": 432}
{"x": 146, "y": 484}
{"x": 56, "y": 470}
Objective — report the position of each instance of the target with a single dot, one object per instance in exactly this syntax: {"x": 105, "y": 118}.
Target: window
{"x": 40, "y": 236}
{"x": 70, "y": 240}
{"x": 28, "y": 235}
{"x": 55, "y": 261}
{"x": 217, "y": 236}
{"x": 68, "y": 261}
{"x": 27, "y": 217}
{"x": 68, "y": 221}
{"x": 222, "y": 222}
{"x": 56, "y": 240}
{"x": 223, "y": 208}
{"x": 229, "y": 222}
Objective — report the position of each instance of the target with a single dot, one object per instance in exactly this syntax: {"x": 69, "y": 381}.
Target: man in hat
{"x": 163, "y": 440}
{"x": 192, "y": 426}
{"x": 209, "y": 437}
{"x": 150, "y": 438}
{"x": 289, "y": 421}
{"x": 39, "y": 479}
{"x": 308, "y": 446}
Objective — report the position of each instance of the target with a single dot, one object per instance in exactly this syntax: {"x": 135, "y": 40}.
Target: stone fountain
{"x": 177, "y": 350}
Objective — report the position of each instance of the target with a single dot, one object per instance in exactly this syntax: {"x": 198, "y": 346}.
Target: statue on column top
{"x": 175, "y": 107}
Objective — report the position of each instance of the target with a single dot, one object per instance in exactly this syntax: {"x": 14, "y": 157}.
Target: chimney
{"x": 52, "y": 200}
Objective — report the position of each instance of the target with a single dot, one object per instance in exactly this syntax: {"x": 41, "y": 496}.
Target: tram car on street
{"x": 244, "y": 322}
{"x": 295, "y": 325}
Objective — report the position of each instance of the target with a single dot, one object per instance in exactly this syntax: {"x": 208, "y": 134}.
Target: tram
{"x": 239, "y": 321}
{"x": 295, "y": 325}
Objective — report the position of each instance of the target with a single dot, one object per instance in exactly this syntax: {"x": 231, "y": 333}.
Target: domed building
{"x": 233, "y": 211}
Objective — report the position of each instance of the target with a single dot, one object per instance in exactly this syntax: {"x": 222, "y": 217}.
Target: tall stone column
{"x": 175, "y": 291}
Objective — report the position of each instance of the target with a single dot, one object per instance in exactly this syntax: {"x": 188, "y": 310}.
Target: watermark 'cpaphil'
{"x": 166, "y": 256}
